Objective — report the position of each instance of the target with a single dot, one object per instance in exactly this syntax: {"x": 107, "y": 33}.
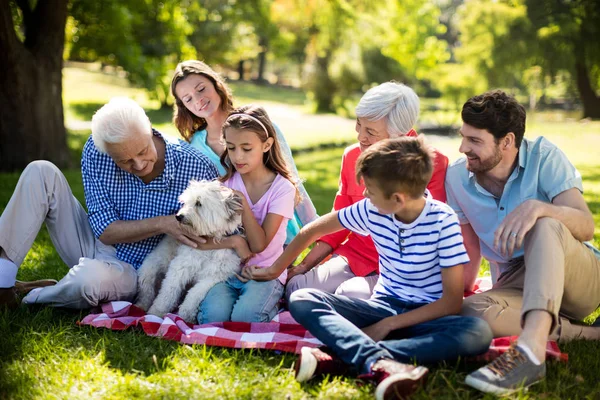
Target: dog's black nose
{"x": 179, "y": 217}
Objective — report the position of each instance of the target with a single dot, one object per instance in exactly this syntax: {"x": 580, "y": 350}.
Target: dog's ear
{"x": 233, "y": 202}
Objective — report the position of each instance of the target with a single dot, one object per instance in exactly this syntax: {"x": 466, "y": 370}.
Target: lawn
{"x": 44, "y": 354}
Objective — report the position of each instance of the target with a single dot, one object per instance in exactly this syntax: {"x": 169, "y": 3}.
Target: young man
{"x": 132, "y": 178}
{"x": 410, "y": 317}
{"x": 521, "y": 207}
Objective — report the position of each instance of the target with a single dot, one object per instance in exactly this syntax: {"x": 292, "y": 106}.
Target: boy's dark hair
{"x": 498, "y": 113}
{"x": 403, "y": 164}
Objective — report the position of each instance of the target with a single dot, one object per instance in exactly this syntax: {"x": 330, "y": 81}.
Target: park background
{"x": 308, "y": 62}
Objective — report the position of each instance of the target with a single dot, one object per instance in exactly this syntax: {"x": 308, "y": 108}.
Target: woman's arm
{"x": 449, "y": 304}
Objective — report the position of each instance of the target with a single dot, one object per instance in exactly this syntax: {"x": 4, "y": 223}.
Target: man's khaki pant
{"x": 558, "y": 274}
{"x": 43, "y": 195}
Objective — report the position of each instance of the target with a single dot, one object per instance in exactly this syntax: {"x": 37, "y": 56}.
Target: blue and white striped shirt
{"x": 112, "y": 194}
{"x": 410, "y": 255}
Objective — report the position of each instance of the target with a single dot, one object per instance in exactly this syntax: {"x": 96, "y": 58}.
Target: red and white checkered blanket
{"x": 282, "y": 334}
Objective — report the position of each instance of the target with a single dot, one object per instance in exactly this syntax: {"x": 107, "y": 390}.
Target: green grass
{"x": 44, "y": 354}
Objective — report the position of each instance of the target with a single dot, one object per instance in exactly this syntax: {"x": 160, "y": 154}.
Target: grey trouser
{"x": 558, "y": 274}
{"x": 43, "y": 195}
{"x": 333, "y": 276}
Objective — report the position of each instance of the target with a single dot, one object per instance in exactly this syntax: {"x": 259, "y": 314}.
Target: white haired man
{"x": 388, "y": 110}
{"x": 132, "y": 178}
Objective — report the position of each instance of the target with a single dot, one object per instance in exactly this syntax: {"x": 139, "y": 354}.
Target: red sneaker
{"x": 396, "y": 380}
{"x": 314, "y": 362}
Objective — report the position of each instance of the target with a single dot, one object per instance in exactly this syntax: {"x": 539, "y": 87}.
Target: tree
{"x": 568, "y": 37}
{"x": 147, "y": 38}
{"x": 31, "y": 112}
{"x": 522, "y": 43}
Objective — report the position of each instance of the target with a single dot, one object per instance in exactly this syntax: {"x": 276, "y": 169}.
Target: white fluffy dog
{"x": 209, "y": 209}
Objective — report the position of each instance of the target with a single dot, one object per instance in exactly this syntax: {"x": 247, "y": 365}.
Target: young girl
{"x": 256, "y": 169}
{"x": 202, "y": 103}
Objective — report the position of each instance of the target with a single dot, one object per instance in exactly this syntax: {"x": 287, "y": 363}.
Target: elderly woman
{"x": 386, "y": 111}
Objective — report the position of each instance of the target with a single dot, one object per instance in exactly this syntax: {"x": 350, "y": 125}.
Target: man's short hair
{"x": 395, "y": 102}
{"x": 497, "y": 112}
{"x": 117, "y": 120}
{"x": 403, "y": 165}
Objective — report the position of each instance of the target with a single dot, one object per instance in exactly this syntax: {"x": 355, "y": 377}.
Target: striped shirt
{"x": 112, "y": 194}
{"x": 410, "y": 255}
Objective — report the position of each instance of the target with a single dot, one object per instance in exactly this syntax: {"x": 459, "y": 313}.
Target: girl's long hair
{"x": 186, "y": 122}
{"x": 273, "y": 158}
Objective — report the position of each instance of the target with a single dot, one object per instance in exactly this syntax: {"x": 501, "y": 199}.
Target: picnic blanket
{"x": 282, "y": 334}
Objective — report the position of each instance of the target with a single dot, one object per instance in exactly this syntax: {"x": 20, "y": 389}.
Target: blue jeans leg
{"x": 218, "y": 303}
{"x": 258, "y": 301}
{"x": 336, "y": 321}
{"x": 442, "y": 339}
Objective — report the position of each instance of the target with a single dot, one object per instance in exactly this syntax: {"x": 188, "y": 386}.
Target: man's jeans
{"x": 234, "y": 300}
{"x": 337, "y": 321}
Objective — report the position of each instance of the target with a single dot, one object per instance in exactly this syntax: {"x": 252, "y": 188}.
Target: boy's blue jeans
{"x": 337, "y": 321}
{"x": 234, "y": 300}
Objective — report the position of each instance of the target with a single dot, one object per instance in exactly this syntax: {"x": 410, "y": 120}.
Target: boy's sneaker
{"x": 507, "y": 374}
{"x": 313, "y": 362}
{"x": 396, "y": 380}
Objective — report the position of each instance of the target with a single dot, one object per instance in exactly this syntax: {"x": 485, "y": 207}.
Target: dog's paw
{"x": 156, "y": 311}
{"x": 143, "y": 306}
{"x": 188, "y": 315}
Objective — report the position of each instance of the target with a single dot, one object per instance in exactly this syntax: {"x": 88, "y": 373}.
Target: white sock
{"x": 529, "y": 353}
{"x": 8, "y": 273}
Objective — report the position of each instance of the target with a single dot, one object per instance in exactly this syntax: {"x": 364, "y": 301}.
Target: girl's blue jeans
{"x": 234, "y": 300}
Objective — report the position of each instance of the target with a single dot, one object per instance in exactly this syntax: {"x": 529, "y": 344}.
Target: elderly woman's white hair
{"x": 395, "y": 102}
{"x": 117, "y": 120}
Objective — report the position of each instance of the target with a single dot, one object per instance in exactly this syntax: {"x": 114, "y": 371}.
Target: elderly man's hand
{"x": 173, "y": 228}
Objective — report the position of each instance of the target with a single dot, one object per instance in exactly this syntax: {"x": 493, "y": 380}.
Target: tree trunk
{"x": 31, "y": 111}
{"x": 262, "y": 60}
{"x": 324, "y": 87}
{"x": 591, "y": 102}
{"x": 241, "y": 70}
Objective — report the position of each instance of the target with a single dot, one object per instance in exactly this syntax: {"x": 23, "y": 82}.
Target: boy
{"x": 421, "y": 257}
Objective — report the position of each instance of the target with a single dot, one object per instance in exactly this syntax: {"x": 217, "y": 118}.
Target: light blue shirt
{"x": 304, "y": 212}
{"x": 543, "y": 173}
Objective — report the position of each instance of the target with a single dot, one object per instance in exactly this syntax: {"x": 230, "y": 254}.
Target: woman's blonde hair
{"x": 256, "y": 119}
{"x": 186, "y": 122}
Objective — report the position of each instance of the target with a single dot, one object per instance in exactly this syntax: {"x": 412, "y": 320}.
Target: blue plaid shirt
{"x": 112, "y": 194}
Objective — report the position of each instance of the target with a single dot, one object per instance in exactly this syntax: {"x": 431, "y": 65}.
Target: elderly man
{"x": 132, "y": 177}
{"x": 521, "y": 207}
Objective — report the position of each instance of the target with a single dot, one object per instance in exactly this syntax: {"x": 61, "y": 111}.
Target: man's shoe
{"x": 23, "y": 288}
{"x": 9, "y": 298}
{"x": 507, "y": 374}
{"x": 314, "y": 362}
{"x": 396, "y": 380}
